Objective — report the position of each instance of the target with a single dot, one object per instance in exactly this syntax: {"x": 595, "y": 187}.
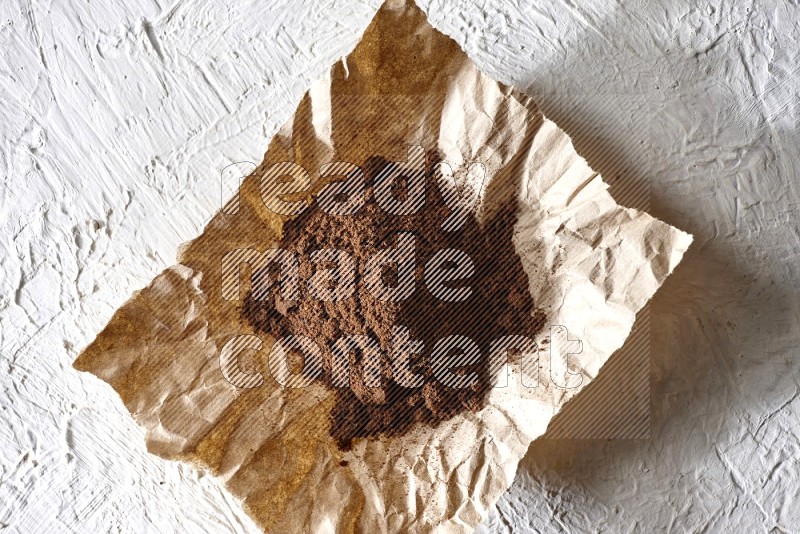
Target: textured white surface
{"x": 118, "y": 119}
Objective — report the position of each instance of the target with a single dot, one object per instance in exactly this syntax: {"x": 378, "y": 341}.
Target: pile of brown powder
{"x": 499, "y": 305}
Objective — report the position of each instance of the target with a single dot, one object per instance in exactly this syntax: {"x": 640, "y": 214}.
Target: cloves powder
{"x": 373, "y": 401}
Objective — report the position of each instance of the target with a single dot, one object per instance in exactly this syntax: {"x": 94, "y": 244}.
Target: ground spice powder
{"x": 498, "y": 304}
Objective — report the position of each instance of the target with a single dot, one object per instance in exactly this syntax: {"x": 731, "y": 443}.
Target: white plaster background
{"x": 116, "y": 119}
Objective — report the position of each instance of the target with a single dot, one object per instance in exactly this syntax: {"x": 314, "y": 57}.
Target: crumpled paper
{"x": 592, "y": 265}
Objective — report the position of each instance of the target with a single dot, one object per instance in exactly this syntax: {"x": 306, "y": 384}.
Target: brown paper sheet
{"x": 592, "y": 265}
